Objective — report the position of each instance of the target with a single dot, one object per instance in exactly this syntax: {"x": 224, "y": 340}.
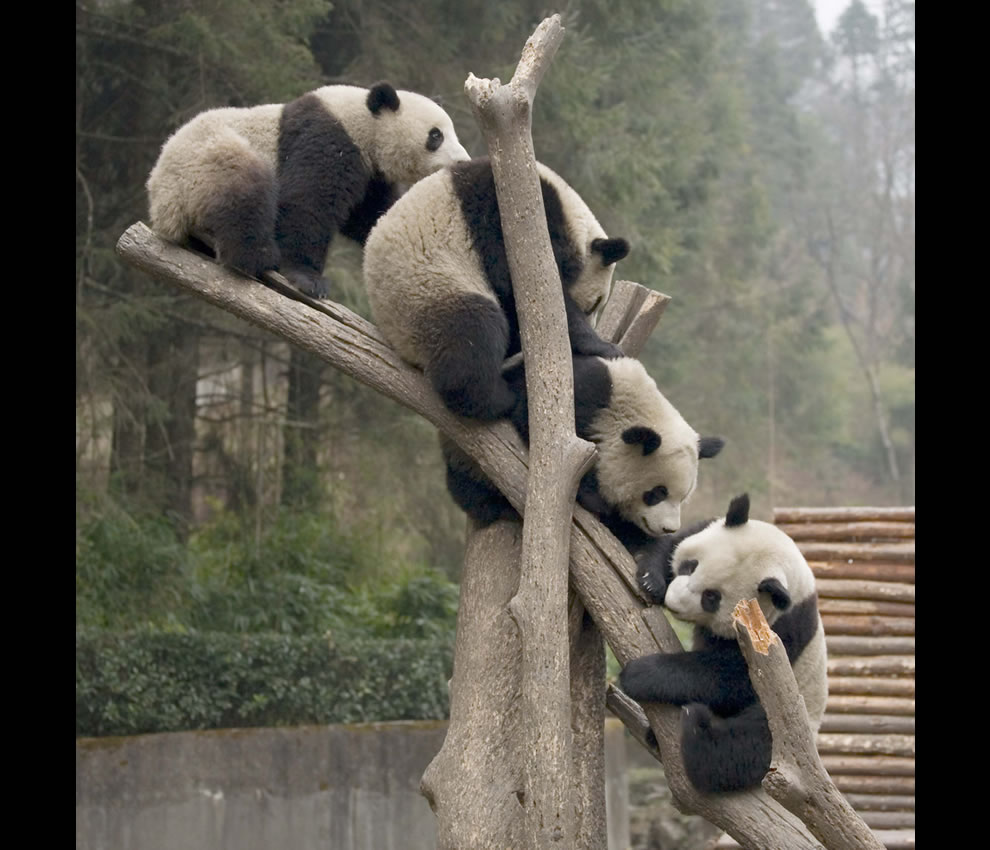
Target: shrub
{"x": 155, "y": 681}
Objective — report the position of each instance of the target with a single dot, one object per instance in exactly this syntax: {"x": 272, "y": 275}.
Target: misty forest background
{"x": 232, "y": 489}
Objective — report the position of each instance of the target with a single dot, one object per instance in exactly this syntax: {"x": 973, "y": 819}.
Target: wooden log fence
{"x": 863, "y": 561}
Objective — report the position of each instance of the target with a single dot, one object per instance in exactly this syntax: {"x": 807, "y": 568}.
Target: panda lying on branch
{"x": 705, "y": 570}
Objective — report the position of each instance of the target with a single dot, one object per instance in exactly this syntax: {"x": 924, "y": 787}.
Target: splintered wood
{"x": 749, "y": 614}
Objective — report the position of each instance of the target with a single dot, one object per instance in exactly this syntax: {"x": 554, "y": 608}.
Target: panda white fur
{"x": 708, "y": 568}
{"x": 648, "y": 455}
{"x": 438, "y": 281}
{"x": 267, "y": 187}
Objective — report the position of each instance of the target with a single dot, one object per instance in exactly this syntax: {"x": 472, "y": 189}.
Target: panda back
{"x": 196, "y": 162}
{"x": 420, "y": 259}
{"x": 811, "y": 674}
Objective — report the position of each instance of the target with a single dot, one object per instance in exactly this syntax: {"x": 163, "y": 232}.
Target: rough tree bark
{"x": 558, "y": 457}
{"x": 474, "y": 783}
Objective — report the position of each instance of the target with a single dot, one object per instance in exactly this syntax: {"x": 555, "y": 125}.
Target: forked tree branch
{"x": 558, "y": 457}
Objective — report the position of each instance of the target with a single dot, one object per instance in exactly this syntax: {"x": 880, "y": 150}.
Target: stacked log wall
{"x": 863, "y": 561}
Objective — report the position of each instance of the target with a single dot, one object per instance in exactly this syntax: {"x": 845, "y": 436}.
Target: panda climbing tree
{"x": 538, "y": 772}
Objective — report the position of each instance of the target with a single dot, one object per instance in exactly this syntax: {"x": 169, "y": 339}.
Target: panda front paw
{"x": 307, "y": 281}
{"x": 699, "y": 720}
{"x": 653, "y": 569}
{"x": 643, "y": 678}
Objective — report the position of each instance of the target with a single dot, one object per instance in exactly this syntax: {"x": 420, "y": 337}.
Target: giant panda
{"x": 438, "y": 282}
{"x": 708, "y": 568}
{"x": 267, "y": 187}
{"x": 647, "y": 461}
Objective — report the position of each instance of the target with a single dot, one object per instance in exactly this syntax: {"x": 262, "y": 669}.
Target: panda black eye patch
{"x": 710, "y": 600}
{"x": 655, "y": 496}
{"x": 434, "y": 139}
{"x": 687, "y": 567}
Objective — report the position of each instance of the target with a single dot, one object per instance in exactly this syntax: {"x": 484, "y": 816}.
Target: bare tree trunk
{"x": 866, "y": 363}
{"x": 127, "y": 439}
{"x": 173, "y": 370}
{"x": 482, "y": 741}
{"x": 588, "y": 724}
{"x": 560, "y": 457}
{"x": 629, "y": 316}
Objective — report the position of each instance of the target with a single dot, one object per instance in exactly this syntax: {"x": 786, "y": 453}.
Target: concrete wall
{"x": 352, "y": 787}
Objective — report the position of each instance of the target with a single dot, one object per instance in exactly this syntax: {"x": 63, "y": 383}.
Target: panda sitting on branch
{"x": 703, "y": 572}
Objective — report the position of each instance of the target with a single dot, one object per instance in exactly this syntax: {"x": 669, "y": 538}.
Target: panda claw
{"x": 608, "y": 351}
{"x": 309, "y": 283}
{"x": 698, "y": 719}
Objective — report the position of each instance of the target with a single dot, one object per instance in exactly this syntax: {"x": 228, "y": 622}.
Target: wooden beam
{"x": 844, "y": 514}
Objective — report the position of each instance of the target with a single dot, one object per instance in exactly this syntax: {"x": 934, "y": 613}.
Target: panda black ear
{"x": 612, "y": 250}
{"x": 709, "y": 446}
{"x": 642, "y": 434}
{"x": 382, "y": 94}
{"x": 778, "y": 593}
{"x": 738, "y": 513}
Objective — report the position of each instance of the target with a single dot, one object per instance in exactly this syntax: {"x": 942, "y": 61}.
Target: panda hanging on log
{"x": 647, "y": 463}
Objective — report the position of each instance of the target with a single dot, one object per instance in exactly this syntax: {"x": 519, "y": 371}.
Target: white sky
{"x": 827, "y": 12}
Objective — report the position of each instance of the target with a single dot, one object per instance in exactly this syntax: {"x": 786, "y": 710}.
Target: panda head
{"x": 732, "y": 559}
{"x": 585, "y": 255}
{"x": 412, "y": 136}
{"x": 647, "y": 453}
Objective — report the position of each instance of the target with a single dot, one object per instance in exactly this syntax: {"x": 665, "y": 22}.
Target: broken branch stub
{"x": 797, "y": 779}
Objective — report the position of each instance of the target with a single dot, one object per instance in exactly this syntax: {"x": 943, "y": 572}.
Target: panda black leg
{"x": 584, "y": 338}
{"x": 307, "y": 281}
{"x": 471, "y": 490}
{"x": 303, "y": 241}
{"x": 725, "y": 754}
{"x": 241, "y": 224}
{"x": 465, "y": 369}
{"x": 479, "y": 500}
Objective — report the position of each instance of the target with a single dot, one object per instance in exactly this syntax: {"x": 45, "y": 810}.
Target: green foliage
{"x": 299, "y": 576}
{"x": 306, "y": 577}
{"x": 127, "y": 567}
{"x": 155, "y": 681}
{"x": 280, "y": 580}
